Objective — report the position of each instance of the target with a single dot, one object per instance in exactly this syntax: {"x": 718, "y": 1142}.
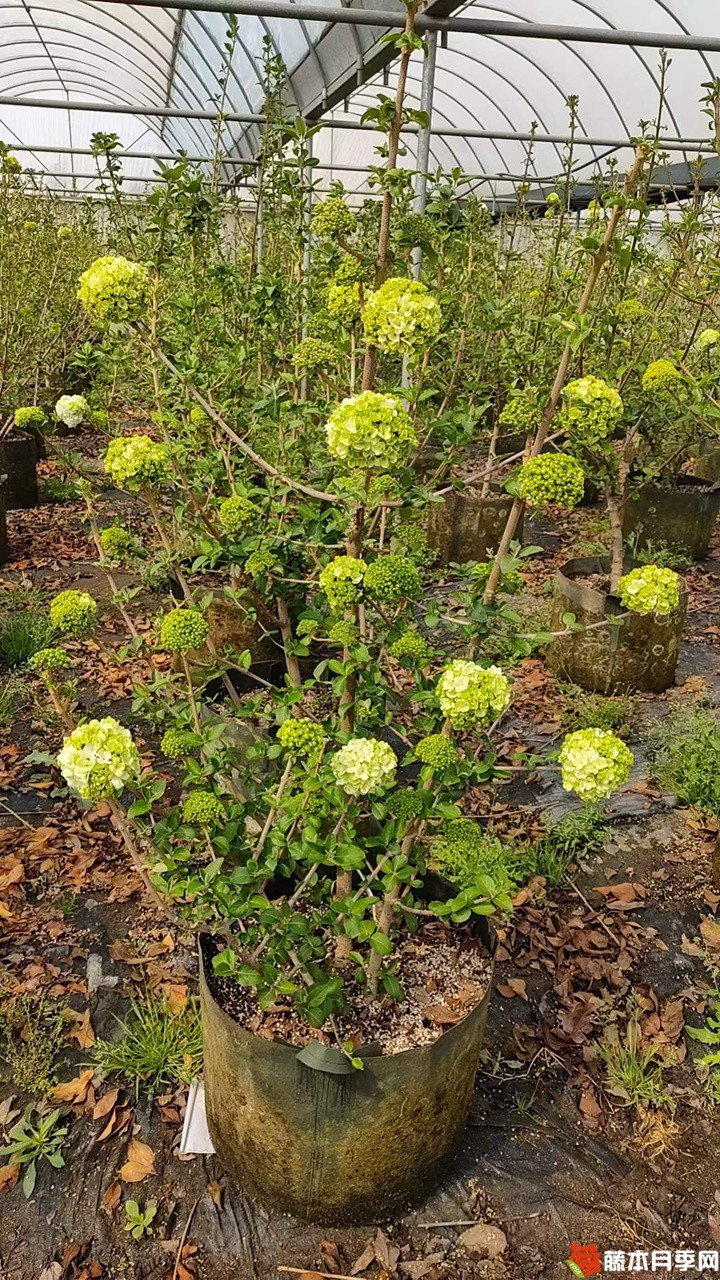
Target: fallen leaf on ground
{"x": 710, "y": 930}
{"x": 74, "y": 1090}
{"x": 514, "y": 987}
{"x": 217, "y": 1191}
{"x": 82, "y": 1031}
{"x": 112, "y": 1197}
{"x": 140, "y": 1161}
{"x": 8, "y": 1176}
{"x": 484, "y": 1240}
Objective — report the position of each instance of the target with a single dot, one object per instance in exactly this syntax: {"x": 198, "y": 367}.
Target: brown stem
{"x": 191, "y": 694}
{"x": 273, "y": 811}
{"x": 598, "y": 262}
{"x": 119, "y": 819}
{"x": 291, "y": 662}
{"x": 385, "y": 920}
{"x": 616, "y": 526}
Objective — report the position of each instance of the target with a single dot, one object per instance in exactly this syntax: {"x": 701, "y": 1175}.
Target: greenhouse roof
{"x": 145, "y": 60}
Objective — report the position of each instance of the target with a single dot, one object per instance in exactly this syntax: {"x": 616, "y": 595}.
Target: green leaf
{"x": 381, "y": 943}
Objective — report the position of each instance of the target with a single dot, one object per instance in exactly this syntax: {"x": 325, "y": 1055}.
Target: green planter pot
{"x": 465, "y": 526}
{"x": 640, "y": 655}
{"x": 306, "y": 1133}
{"x": 706, "y": 461}
{"x": 682, "y": 518}
{"x": 3, "y": 529}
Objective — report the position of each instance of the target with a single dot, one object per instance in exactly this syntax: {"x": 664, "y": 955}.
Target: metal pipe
{"x": 332, "y": 14}
{"x": 441, "y": 131}
{"x": 422, "y": 155}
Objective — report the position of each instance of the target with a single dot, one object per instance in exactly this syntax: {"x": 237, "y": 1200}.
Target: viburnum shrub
{"x": 650, "y": 590}
{"x": 114, "y": 291}
{"x": 137, "y": 462}
{"x": 402, "y": 317}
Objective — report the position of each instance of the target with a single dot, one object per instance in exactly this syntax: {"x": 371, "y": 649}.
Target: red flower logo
{"x": 584, "y": 1260}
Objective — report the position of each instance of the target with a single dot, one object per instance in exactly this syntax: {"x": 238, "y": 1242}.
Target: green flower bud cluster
{"x": 116, "y": 542}
{"x": 650, "y": 590}
{"x": 592, "y": 408}
{"x": 414, "y": 541}
{"x": 594, "y": 763}
{"x": 465, "y": 853}
{"x": 413, "y": 229}
{"x": 50, "y": 662}
{"x": 72, "y": 410}
{"x": 331, "y": 218}
{"x": 511, "y": 580}
{"x": 371, "y": 430}
{"x": 630, "y": 311}
{"x": 405, "y": 804}
{"x": 391, "y": 579}
{"x": 136, "y": 462}
{"x": 351, "y": 271}
{"x": 301, "y": 737}
{"x": 521, "y": 413}
{"x": 203, "y": 809}
{"x": 313, "y": 353}
{"x": 260, "y": 564}
{"x": 73, "y": 613}
{"x": 114, "y": 291}
{"x": 469, "y": 694}
{"x": 343, "y": 301}
{"x": 437, "y": 751}
{"x": 237, "y": 514}
{"x": 182, "y": 629}
{"x": 307, "y": 626}
{"x": 64, "y": 233}
{"x": 411, "y": 647}
{"x": 198, "y": 416}
{"x": 402, "y": 317}
{"x": 11, "y": 164}
{"x": 29, "y": 419}
{"x": 175, "y": 744}
{"x": 342, "y": 582}
{"x": 382, "y": 489}
{"x": 344, "y": 633}
{"x": 99, "y": 759}
{"x": 707, "y": 339}
{"x": 363, "y": 766}
{"x": 552, "y": 479}
{"x": 664, "y": 383}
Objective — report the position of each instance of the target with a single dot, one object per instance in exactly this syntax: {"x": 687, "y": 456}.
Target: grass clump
{"x": 158, "y": 1048}
{"x": 582, "y": 710}
{"x": 12, "y": 693}
{"x": 660, "y": 554}
{"x": 576, "y": 835}
{"x": 634, "y": 1075}
{"x": 31, "y": 1036}
{"x": 54, "y": 490}
{"x": 23, "y": 633}
{"x": 686, "y": 757}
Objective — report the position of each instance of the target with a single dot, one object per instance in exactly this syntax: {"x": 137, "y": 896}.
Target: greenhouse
{"x": 359, "y": 639}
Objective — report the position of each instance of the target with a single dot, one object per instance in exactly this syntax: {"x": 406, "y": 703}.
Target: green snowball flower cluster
{"x": 342, "y": 582}
{"x": 466, "y": 855}
{"x": 198, "y": 416}
{"x": 594, "y": 763}
{"x": 182, "y": 629}
{"x": 260, "y": 564}
{"x": 175, "y": 744}
{"x": 237, "y": 514}
{"x": 405, "y": 804}
{"x": 371, "y": 431}
{"x": 469, "y": 694}
{"x": 592, "y": 408}
{"x": 412, "y": 229}
{"x": 331, "y": 218}
{"x": 402, "y": 317}
{"x": 73, "y": 613}
{"x": 72, "y": 410}
{"x": 136, "y": 462}
{"x": 351, "y": 271}
{"x": 114, "y": 291}
{"x": 382, "y": 489}
{"x": 11, "y": 164}
{"x": 521, "y": 413}
{"x": 64, "y": 233}
{"x": 707, "y": 339}
{"x": 30, "y": 418}
{"x": 414, "y": 541}
{"x": 203, "y": 809}
{"x": 344, "y": 302}
{"x": 50, "y": 662}
{"x": 116, "y": 542}
{"x": 313, "y": 353}
{"x": 344, "y": 633}
{"x": 301, "y": 737}
{"x": 437, "y": 751}
{"x": 650, "y": 590}
{"x": 99, "y": 759}
{"x": 552, "y": 479}
{"x": 630, "y": 311}
{"x": 391, "y": 579}
{"x": 307, "y": 626}
{"x": 364, "y": 765}
{"x": 664, "y": 383}
{"x": 410, "y": 647}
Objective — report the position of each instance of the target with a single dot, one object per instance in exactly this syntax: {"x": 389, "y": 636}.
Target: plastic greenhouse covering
{"x": 127, "y": 55}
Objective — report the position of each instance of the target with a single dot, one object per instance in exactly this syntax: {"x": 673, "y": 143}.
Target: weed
{"x": 582, "y": 710}
{"x": 35, "y": 1137}
{"x": 634, "y": 1075}
{"x": 658, "y": 553}
{"x": 31, "y": 1036}
{"x": 159, "y": 1048}
{"x": 574, "y": 836}
{"x": 12, "y": 693}
{"x": 139, "y": 1220}
{"x": 66, "y": 904}
{"x": 22, "y": 633}
{"x": 54, "y": 490}
{"x": 686, "y": 757}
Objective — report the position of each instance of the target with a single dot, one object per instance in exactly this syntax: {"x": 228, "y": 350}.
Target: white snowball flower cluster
{"x": 472, "y": 695}
{"x": 594, "y": 763}
{"x": 99, "y": 759}
{"x": 364, "y": 765}
{"x": 72, "y": 410}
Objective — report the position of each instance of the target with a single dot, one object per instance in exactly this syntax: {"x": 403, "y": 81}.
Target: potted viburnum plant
{"x": 343, "y": 916}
